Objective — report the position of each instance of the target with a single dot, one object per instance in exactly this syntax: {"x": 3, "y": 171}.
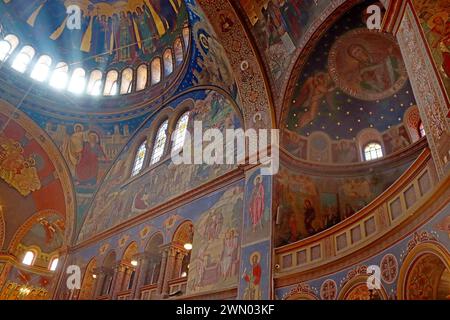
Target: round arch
{"x": 356, "y": 289}
{"x": 422, "y": 271}
{"x": 89, "y": 279}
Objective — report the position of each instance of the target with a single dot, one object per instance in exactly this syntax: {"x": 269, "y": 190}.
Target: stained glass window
{"x": 178, "y": 49}
{"x": 77, "y": 82}
{"x": 156, "y": 71}
{"x": 94, "y": 86}
{"x": 179, "y": 134}
{"x": 111, "y": 83}
{"x": 141, "y": 77}
{"x": 139, "y": 160}
{"x": 60, "y": 76}
{"x": 28, "y": 259}
{"x": 127, "y": 80}
{"x": 373, "y": 151}
{"x": 42, "y": 68}
{"x": 422, "y": 130}
{"x": 168, "y": 62}
{"x": 23, "y": 59}
{"x": 160, "y": 142}
{"x": 7, "y": 46}
{"x": 54, "y": 264}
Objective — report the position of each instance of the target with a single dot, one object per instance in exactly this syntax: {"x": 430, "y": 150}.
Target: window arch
{"x": 160, "y": 142}
{"x": 77, "y": 81}
{"x": 7, "y": 46}
{"x": 53, "y": 264}
{"x": 111, "y": 85}
{"x": 139, "y": 158}
{"x": 23, "y": 59}
{"x": 179, "y": 134}
{"x": 421, "y": 130}
{"x": 127, "y": 81}
{"x": 94, "y": 87}
{"x": 168, "y": 62}
{"x": 41, "y": 68}
{"x": 156, "y": 71}
{"x": 28, "y": 258}
{"x": 60, "y": 76}
{"x": 178, "y": 49}
{"x": 142, "y": 72}
{"x": 373, "y": 151}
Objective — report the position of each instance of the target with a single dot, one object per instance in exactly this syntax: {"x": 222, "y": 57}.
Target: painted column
{"x": 100, "y": 283}
{"x": 116, "y": 287}
{"x": 256, "y": 249}
{"x": 172, "y": 252}
{"x": 141, "y": 272}
{"x": 428, "y": 91}
{"x": 162, "y": 270}
{"x": 178, "y": 264}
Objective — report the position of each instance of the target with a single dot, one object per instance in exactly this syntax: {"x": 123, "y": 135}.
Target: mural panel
{"x": 435, "y": 20}
{"x": 354, "y": 79}
{"x": 255, "y": 265}
{"x": 279, "y": 28}
{"x": 116, "y": 201}
{"x": 215, "y": 256}
{"x": 310, "y": 204}
{"x": 111, "y": 32}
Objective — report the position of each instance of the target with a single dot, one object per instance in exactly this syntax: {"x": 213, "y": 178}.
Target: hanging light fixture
{"x": 188, "y": 246}
{"x": 134, "y": 263}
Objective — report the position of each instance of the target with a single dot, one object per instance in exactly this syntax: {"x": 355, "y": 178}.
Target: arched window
{"x": 41, "y": 68}
{"x": 60, "y": 76}
{"x": 156, "y": 71}
{"x": 168, "y": 62}
{"x": 186, "y": 36}
{"x": 28, "y": 258}
{"x": 7, "y": 46}
{"x": 421, "y": 130}
{"x": 127, "y": 81}
{"x": 23, "y": 59}
{"x": 78, "y": 80}
{"x": 160, "y": 142}
{"x": 179, "y": 135}
{"x": 94, "y": 87}
{"x": 54, "y": 264}
{"x": 111, "y": 86}
{"x": 142, "y": 72}
{"x": 178, "y": 49}
{"x": 373, "y": 151}
{"x": 139, "y": 159}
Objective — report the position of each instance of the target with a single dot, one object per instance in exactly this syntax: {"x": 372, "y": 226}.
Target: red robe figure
{"x": 253, "y": 290}
{"x": 86, "y": 170}
{"x": 257, "y": 204}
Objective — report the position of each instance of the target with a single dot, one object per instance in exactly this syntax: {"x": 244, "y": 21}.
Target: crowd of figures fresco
{"x": 435, "y": 20}
{"x": 280, "y": 26}
{"x": 116, "y": 202}
{"x": 354, "y": 80}
{"x": 112, "y": 32}
{"x": 309, "y": 203}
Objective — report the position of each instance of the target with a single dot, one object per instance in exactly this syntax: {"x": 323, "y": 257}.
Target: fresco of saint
{"x": 257, "y": 204}
{"x": 253, "y": 278}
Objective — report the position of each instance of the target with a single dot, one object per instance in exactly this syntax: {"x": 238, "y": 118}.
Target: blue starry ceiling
{"x": 354, "y": 79}
{"x": 113, "y": 32}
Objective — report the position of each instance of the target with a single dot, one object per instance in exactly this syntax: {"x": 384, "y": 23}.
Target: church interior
{"x": 96, "y": 97}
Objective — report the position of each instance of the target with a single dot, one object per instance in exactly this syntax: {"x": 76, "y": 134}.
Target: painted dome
{"x": 95, "y": 47}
